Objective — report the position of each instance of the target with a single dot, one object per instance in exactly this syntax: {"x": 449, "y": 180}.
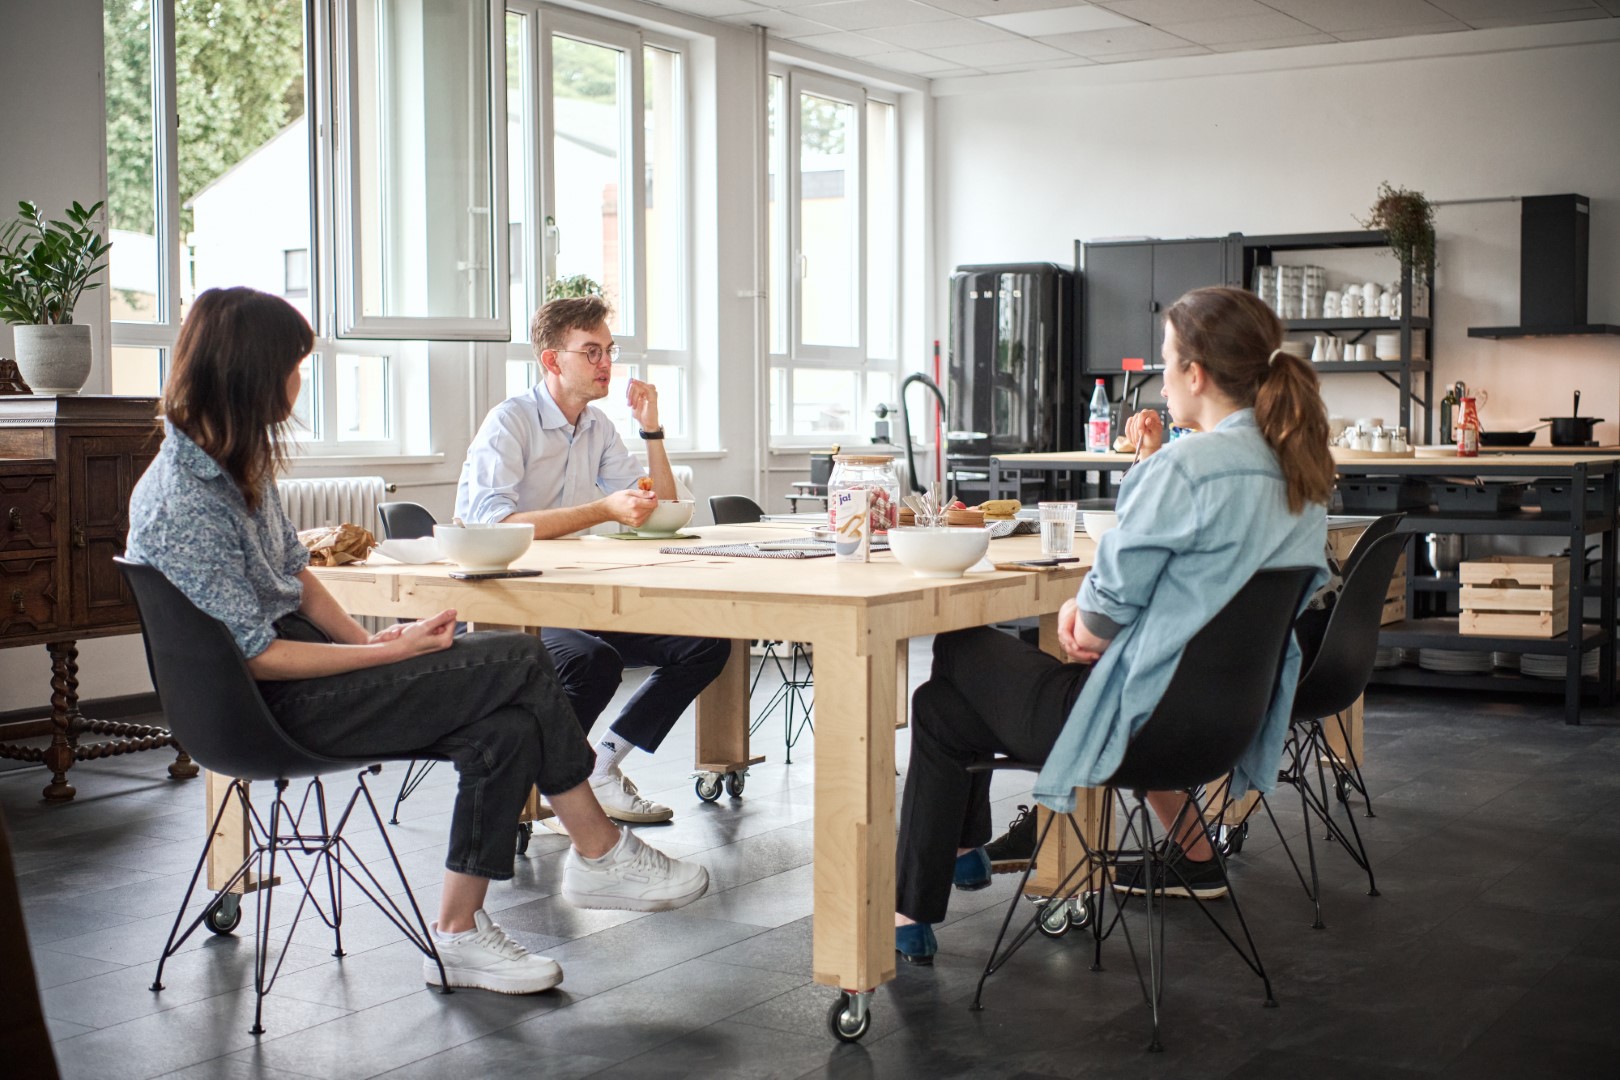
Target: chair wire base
{"x": 415, "y": 772}
{"x": 796, "y": 704}
{"x": 319, "y": 852}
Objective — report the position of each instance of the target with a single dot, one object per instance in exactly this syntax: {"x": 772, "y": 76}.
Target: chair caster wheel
{"x": 224, "y": 915}
{"x": 850, "y": 1017}
{"x": 708, "y": 787}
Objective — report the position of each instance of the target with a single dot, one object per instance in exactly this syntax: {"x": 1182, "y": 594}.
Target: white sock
{"x": 444, "y": 936}
{"x": 608, "y": 854}
{"x": 610, "y": 752}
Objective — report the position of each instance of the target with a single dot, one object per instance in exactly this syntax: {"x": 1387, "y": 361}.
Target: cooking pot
{"x": 1572, "y": 430}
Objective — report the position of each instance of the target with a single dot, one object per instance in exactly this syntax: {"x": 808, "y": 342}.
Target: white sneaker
{"x": 486, "y": 959}
{"x": 632, "y": 877}
{"x": 622, "y": 802}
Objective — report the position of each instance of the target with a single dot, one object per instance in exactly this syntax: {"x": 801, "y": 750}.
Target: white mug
{"x": 1350, "y": 306}
{"x": 1330, "y": 304}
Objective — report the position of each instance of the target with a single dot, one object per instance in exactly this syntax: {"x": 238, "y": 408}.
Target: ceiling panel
{"x": 843, "y": 43}
{"x": 867, "y": 14}
{"x": 999, "y": 52}
{"x": 783, "y": 24}
{"x": 1161, "y": 12}
{"x": 1267, "y": 27}
{"x": 1449, "y": 26}
{"x": 1064, "y": 20}
{"x": 978, "y": 8}
{"x": 1315, "y": 38}
{"x": 1529, "y": 20}
{"x": 1469, "y": 10}
{"x": 1103, "y": 42}
{"x": 934, "y": 35}
{"x": 1335, "y": 15}
{"x": 714, "y": 9}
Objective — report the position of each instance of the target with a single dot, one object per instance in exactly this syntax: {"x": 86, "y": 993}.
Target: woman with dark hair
{"x": 207, "y": 515}
{"x": 1197, "y": 519}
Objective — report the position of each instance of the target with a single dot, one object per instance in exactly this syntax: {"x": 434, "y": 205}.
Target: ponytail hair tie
{"x": 1271, "y": 361}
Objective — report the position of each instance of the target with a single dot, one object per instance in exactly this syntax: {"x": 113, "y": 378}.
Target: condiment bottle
{"x": 1468, "y": 430}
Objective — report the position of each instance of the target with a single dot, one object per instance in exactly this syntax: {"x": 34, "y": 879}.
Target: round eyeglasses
{"x": 595, "y": 354}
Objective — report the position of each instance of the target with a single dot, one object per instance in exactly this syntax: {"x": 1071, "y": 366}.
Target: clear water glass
{"x": 1057, "y": 527}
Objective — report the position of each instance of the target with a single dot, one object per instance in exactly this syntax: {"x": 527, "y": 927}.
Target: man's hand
{"x": 1081, "y": 644}
{"x": 423, "y": 636}
{"x": 632, "y": 507}
{"x": 1146, "y": 430}
{"x": 643, "y": 399}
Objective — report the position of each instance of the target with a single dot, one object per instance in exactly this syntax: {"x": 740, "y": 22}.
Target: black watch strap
{"x": 653, "y": 435}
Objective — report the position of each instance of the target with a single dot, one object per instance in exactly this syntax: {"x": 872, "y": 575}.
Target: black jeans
{"x": 988, "y": 693}
{"x": 590, "y": 664}
{"x": 490, "y": 703}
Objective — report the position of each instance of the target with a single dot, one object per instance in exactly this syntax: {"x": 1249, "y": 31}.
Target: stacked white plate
{"x": 1544, "y": 666}
{"x": 1455, "y": 661}
{"x": 1386, "y": 658}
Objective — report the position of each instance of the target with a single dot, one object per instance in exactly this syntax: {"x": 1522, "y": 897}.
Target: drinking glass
{"x": 1057, "y": 527}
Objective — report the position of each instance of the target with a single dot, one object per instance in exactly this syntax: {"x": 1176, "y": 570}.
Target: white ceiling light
{"x": 1064, "y": 20}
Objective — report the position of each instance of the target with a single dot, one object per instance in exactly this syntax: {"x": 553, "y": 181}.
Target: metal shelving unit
{"x": 1247, "y": 252}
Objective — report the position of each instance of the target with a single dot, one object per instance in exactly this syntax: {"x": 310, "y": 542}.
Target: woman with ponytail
{"x": 1196, "y": 521}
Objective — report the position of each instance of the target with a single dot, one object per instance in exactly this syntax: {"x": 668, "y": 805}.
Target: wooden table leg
{"x": 854, "y": 803}
{"x": 722, "y": 717}
{"x": 60, "y": 756}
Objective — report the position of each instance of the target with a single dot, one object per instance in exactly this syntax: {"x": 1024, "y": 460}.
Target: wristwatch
{"x": 651, "y": 436}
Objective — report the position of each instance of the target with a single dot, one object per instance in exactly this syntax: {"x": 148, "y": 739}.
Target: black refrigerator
{"x": 1012, "y": 370}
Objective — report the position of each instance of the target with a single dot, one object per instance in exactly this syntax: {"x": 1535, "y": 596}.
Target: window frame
{"x": 348, "y": 265}
{"x": 542, "y": 22}
{"x": 859, "y": 361}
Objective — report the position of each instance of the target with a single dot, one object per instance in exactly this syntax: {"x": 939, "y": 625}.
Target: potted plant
{"x": 1407, "y": 218}
{"x": 44, "y": 267}
{"x": 574, "y": 285}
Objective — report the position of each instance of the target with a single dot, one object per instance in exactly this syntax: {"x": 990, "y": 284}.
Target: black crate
{"x": 1555, "y": 496}
{"x": 1382, "y": 494}
{"x": 1467, "y": 495}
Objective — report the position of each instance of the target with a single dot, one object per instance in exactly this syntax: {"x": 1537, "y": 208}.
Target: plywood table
{"x": 858, "y": 618}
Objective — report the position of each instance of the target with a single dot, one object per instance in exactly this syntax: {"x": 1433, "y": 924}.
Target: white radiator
{"x": 333, "y": 501}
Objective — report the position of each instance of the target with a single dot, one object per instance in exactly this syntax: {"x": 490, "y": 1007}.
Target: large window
{"x": 607, "y": 178}
{"x": 211, "y": 169}
{"x": 834, "y": 266}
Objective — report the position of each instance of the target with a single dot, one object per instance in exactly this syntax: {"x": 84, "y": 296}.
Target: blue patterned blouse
{"x": 187, "y": 519}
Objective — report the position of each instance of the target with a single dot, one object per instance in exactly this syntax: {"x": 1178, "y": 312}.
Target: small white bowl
{"x": 938, "y": 552}
{"x": 1097, "y": 522}
{"x": 669, "y": 518}
{"x": 483, "y": 547}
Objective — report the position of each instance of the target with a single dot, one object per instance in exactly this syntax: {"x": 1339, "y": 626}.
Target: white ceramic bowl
{"x": 483, "y": 547}
{"x": 420, "y": 550}
{"x": 670, "y": 517}
{"x": 940, "y": 552}
{"x": 1097, "y": 522}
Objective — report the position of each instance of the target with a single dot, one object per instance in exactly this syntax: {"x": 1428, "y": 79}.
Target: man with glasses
{"x": 550, "y": 458}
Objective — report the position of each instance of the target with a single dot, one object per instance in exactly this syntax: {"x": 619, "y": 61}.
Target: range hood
{"x": 1552, "y": 270}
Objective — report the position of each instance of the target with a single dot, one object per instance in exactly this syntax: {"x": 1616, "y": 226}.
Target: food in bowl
{"x": 483, "y": 547}
{"x": 668, "y": 518}
{"x": 1097, "y": 522}
{"x": 938, "y": 552}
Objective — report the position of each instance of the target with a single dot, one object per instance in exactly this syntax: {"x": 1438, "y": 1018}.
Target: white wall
{"x": 1210, "y": 145}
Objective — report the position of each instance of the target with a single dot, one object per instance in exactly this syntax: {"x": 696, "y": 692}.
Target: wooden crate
{"x": 1514, "y": 596}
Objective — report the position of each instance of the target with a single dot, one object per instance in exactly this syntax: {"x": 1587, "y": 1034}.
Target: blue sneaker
{"x": 915, "y": 943}
{"x": 972, "y": 871}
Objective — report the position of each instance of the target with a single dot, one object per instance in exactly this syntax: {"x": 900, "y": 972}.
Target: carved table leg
{"x": 64, "y": 714}
{"x": 182, "y": 767}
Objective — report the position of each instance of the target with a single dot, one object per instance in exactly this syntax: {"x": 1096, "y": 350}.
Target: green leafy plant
{"x": 46, "y": 265}
{"x": 566, "y": 288}
{"x": 1407, "y": 218}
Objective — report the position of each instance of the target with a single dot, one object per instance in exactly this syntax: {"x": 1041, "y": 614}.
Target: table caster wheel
{"x": 734, "y": 783}
{"x": 525, "y": 833}
{"x": 850, "y": 1017}
{"x": 708, "y": 787}
{"x": 224, "y": 915}
{"x": 1080, "y": 912}
{"x": 1054, "y": 920}
{"x": 1232, "y": 838}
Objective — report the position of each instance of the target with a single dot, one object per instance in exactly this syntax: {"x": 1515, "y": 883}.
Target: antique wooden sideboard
{"x": 67, "y": 467}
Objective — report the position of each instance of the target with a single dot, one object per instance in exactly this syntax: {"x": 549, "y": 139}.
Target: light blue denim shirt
{"x": 187, "y": 518}
{"x": 1196, "y": 520}
{"x": 526, "y": 456}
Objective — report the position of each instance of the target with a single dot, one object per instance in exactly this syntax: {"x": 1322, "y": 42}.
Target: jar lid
{"x": 864, "y": 459}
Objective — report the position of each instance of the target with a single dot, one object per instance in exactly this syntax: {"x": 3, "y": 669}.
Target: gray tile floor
{"x": 1493, "y": 951}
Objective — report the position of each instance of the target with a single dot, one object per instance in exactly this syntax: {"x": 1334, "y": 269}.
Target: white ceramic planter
{"x": 53, "y": 359}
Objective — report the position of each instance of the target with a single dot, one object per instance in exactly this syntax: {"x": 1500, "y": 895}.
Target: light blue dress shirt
{"x": 526, "y": 456}
{"x": 1196, "y": 520}
{"x": 187, "y": 519}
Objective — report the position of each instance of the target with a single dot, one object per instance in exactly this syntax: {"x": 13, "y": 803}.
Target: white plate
{"x": 422, "y": 550}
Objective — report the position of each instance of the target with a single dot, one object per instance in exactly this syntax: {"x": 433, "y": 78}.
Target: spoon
{"x": 1577, "y": 412}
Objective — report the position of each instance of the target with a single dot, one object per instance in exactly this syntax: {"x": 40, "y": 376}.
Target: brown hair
{"x": 551, "y": 324}
{"x": 227, "y": 386}
{"x": 1237, "y": 339}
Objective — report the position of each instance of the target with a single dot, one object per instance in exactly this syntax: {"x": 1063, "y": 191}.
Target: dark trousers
{"x": 490, "y": 703}
{"x": 590, "y": 664}
{"x": 988, "y": 693}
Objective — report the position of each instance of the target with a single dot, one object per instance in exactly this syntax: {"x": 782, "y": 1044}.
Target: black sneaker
{"x": 1011, "y": 851}
{"x": 1182, "y": 878}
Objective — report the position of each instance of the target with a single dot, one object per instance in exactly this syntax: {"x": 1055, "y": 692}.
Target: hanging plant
{"x": 1407, "y": 218}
